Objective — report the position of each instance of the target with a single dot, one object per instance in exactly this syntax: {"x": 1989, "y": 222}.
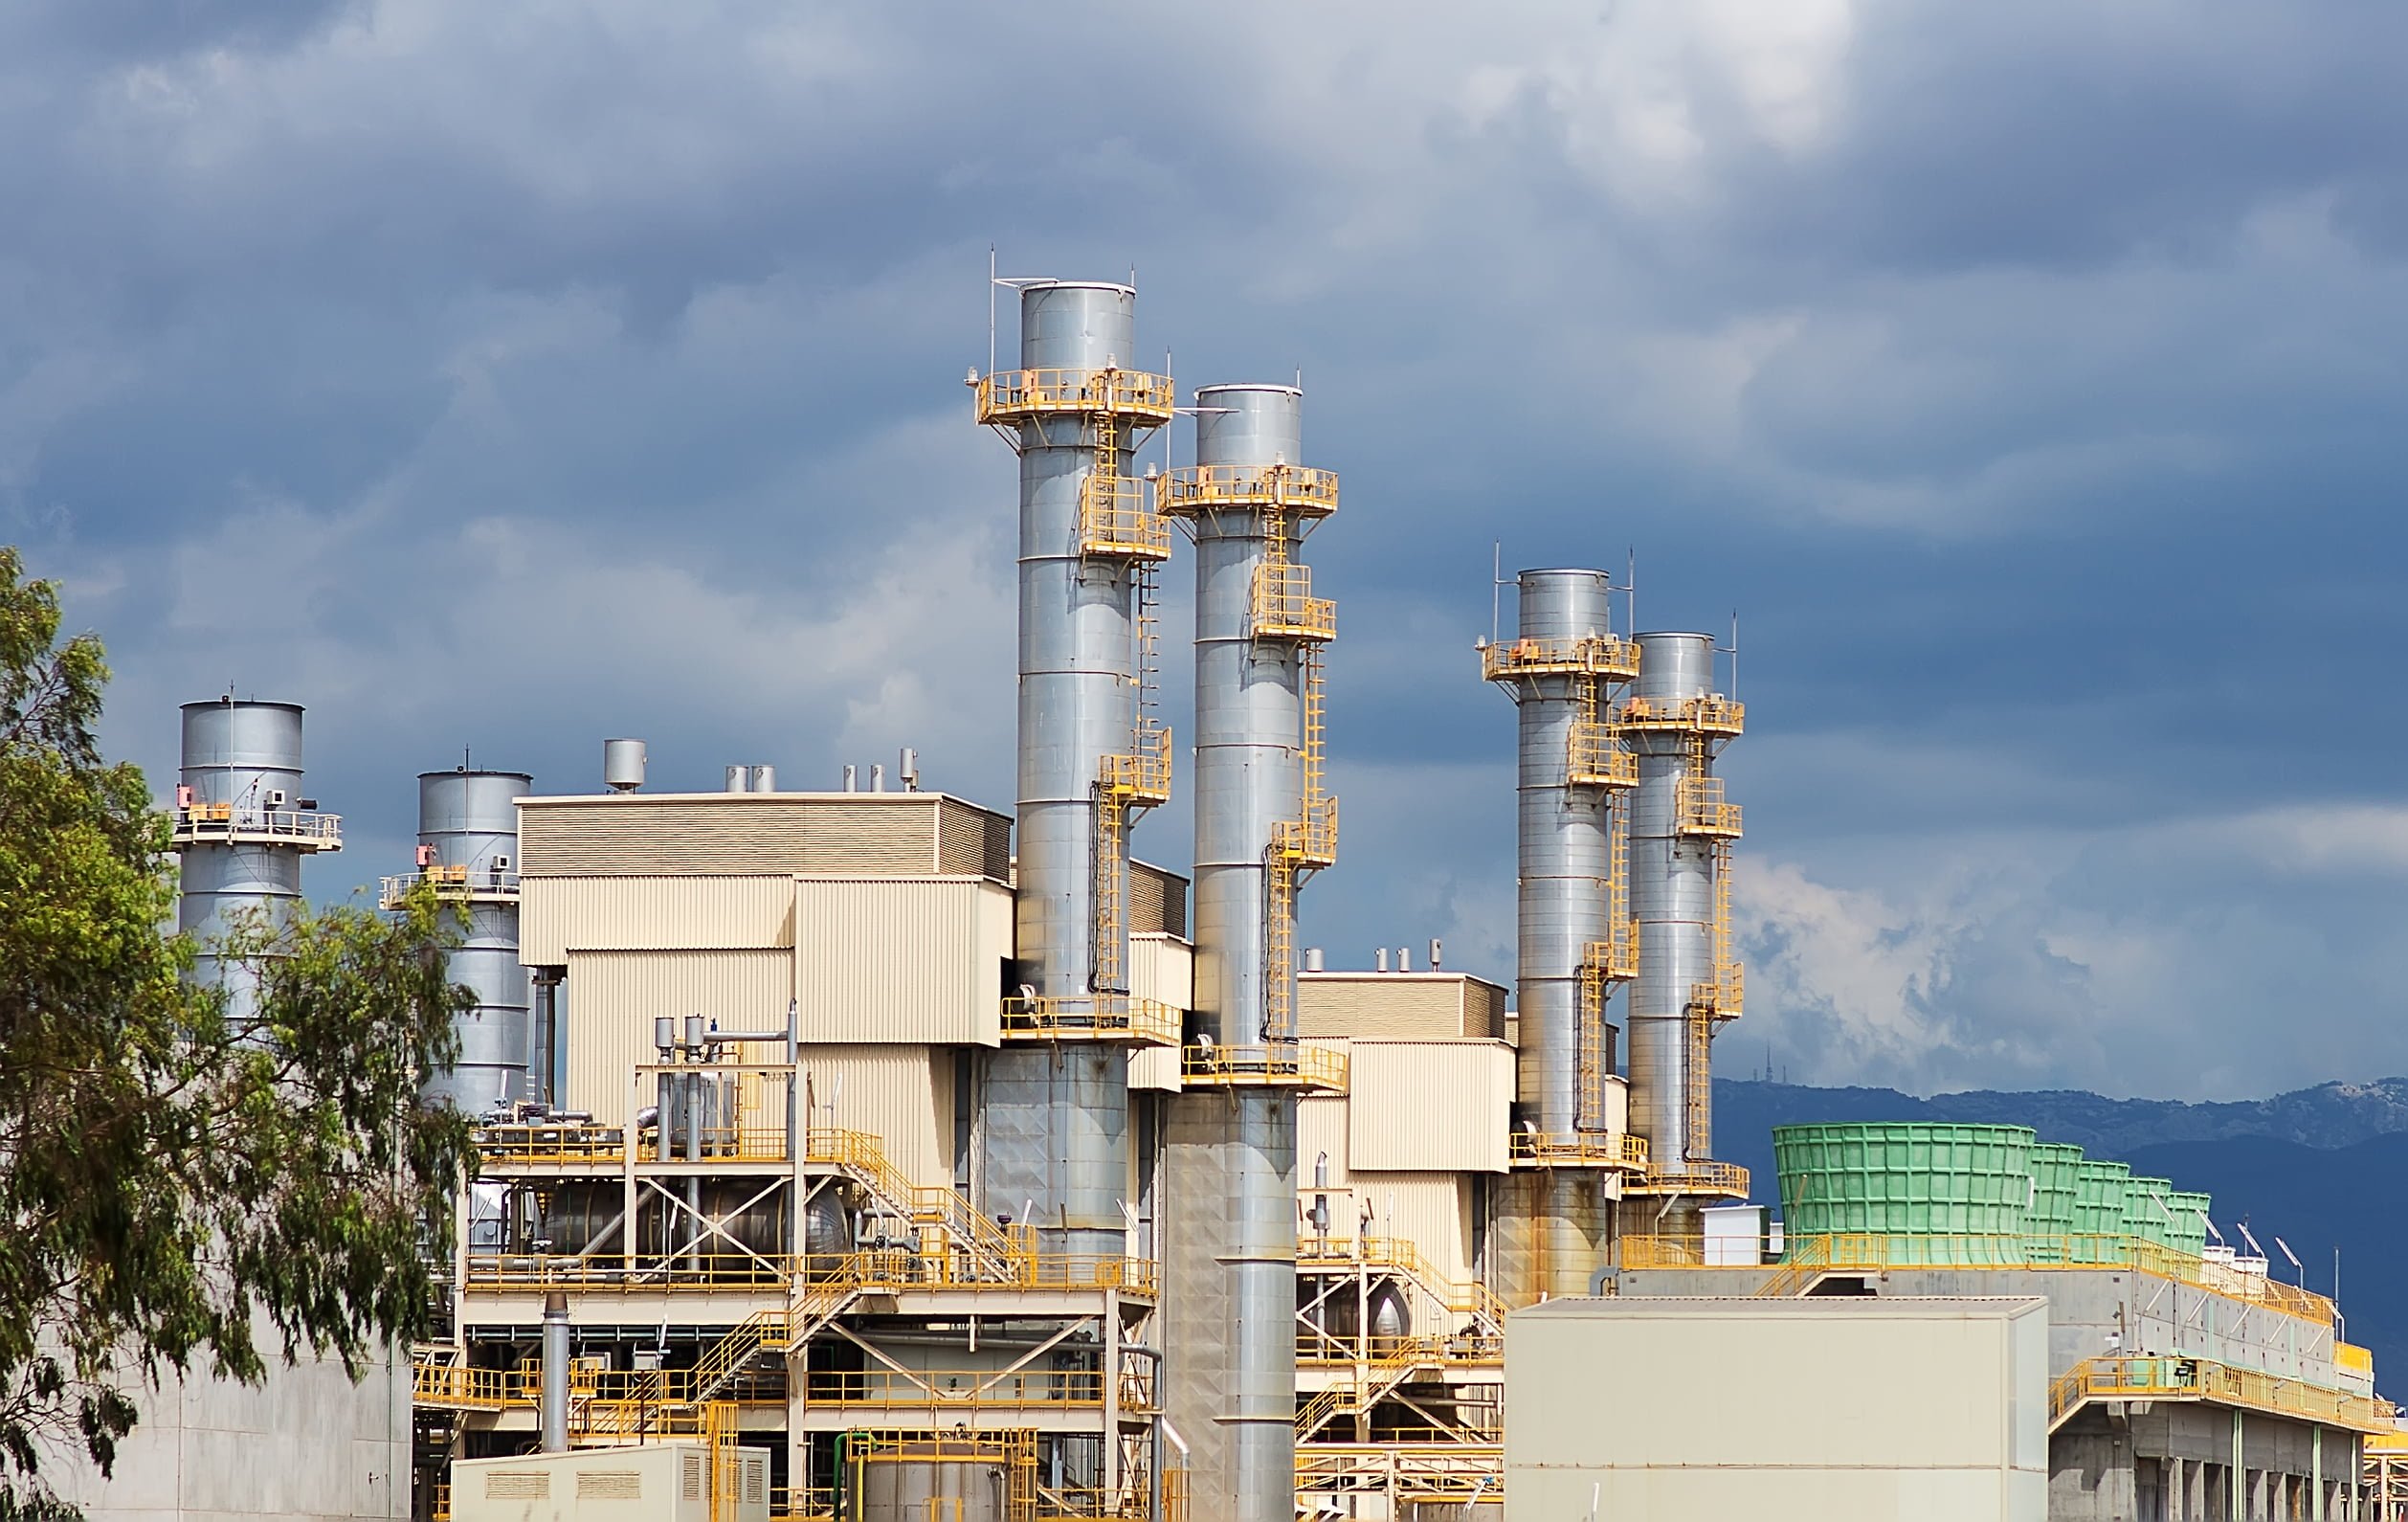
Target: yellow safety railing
{"x": 1281, "y": 1064}
{"x": 1692, "y": 1177}
{"x": 535, "y": 1142}
{"x": 968, "y": 1390}
{"x": 1402, "y": 1256}
{"x": 205, "y": 823}
{"x": 1600, "y": 656}
{"x": 452, "y": 884}
{"x": 1873, "y": 1252}
{"x": 1377, "y": 1381}
{"x": 1710, "y": 712}
{"x": 1434, "y": 1468}
{"x": 1596, "y": 757}
{"x": 1285, "y": 606}
{"x": 1295, "y": 489}
{"x": 2179, "y": 1378}
{"x": 1096, "y": 1016}
{"x": 1699, "y": 807}
{"x": 1144, "y": 775}
{"x": 1116, "y": 523}
{"x": 1014, "y": 1453}
{"x": 1019, "y": 396}
{"x": 1580, "y": 1149}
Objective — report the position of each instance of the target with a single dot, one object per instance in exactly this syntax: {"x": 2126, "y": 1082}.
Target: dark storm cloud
{"x": 2026, "y": 376}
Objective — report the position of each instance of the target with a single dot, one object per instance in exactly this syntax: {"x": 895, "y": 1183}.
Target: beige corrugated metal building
{"x": 885, "y": 917}
{"x": 1858, "y": 1410}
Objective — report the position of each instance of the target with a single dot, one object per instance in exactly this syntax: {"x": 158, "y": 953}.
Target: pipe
{"x": 555, "y": 1415}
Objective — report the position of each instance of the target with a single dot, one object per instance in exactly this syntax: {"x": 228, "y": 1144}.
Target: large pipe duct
{"x": 1229, "y": 1303}
{"x": 554, "y": 1438}
{"x": 468, "y": 848}
{"x": 242, "y": 826}
{"x": 1056, "y": 1114}
{"x": 1555, "y": 1222}
{"x": 1675, "y": 723}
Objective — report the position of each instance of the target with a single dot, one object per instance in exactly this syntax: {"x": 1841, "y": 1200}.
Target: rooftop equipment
{"x": 623, "y": 764}
{"x": 1091, "y": 755}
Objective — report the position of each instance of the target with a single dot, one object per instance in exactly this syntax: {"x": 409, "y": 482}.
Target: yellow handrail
{"x": 2158, "y": 1378}
{"x": 1297, "y": 489}
{"x": 1015, "y": 395}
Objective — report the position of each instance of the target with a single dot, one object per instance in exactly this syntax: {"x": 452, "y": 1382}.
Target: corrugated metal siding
{"x": 1618, "y": 1103}
{"x": 561, "y": 915}
{"x": 913, "y": 961}
{"x": 1419, "y": 1107}
{"x": 1155, "y": 1067}
{"x": 614, "y": 995}
{"x": 735, "y": 833}
{"x": 1433, "y": 1211}
{"x": 1320, "y": 1127}
{"x": 1162, "y": 967}
{"x": 1401, "y": 1006}
{"x": 1158, "y": 900}
{"x": 972, "y": 842}
{"x": 902, "y": 1094}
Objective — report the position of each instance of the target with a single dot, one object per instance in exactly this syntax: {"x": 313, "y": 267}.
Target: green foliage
{"x": 178, "y": 1194}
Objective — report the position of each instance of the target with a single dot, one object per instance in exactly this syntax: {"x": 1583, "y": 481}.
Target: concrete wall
{"x": 309, "y": 1443}
{"x": 1863, "y": 1410}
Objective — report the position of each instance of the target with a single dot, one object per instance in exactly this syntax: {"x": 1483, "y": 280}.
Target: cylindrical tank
{"x": 2189, "y": 1209}
{"x": 468, "y": 837}
{"x": 240, "y": 780}
{"x": 2147, "y": 1212}
{"x": 588, "y": 1217}
{"x": 915, "y": 1481}
{"x": 2103, "y": 1191}
{"x": 1057, "y": 1116}
{"x": 1249, "y": 716}
{"x": 1941, "y": 1193}
{"x": 1672, "y": 898}
{"x": 2056, "y": 1188}
{"x": 623, "y": 764}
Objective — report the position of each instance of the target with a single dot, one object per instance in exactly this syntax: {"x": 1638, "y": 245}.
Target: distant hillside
{"x": 2328, "y": 1115}
{"x": 2315, "y": 1167}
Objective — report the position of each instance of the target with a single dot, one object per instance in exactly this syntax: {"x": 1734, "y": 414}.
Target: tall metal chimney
{"x": 242, "y": 827}
{"x": 1689, "y": 981}
{"x": 468, "y": 848}
{"x": 1264, "y": 821}
{"x": 1574, "y": 944}
{"x": 1090, "y": 758}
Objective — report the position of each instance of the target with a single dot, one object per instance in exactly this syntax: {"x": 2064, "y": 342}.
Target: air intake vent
{"x": 693, "y": 1477}
{"x": 517, "y": 1485}
{"x": 610, "y": 1484}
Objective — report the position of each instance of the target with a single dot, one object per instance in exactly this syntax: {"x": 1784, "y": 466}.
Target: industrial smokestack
{"x": 468, "y": 845}
{"x": 1263, "y": 823}
{"x": 1562, "y": 669}
{"x": 1057, "y": 1115}
{"x": 1680, "y": 854}
{"x": 242, "y": 828}
{"x": 555, "y": 1377}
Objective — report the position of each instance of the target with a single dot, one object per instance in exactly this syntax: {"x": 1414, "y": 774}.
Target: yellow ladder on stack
{"x": 1299, "y": 848}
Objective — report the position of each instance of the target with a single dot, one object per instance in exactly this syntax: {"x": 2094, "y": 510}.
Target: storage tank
{"x": 1942, "y": 1194}
{"x": 948, "y": 1480}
